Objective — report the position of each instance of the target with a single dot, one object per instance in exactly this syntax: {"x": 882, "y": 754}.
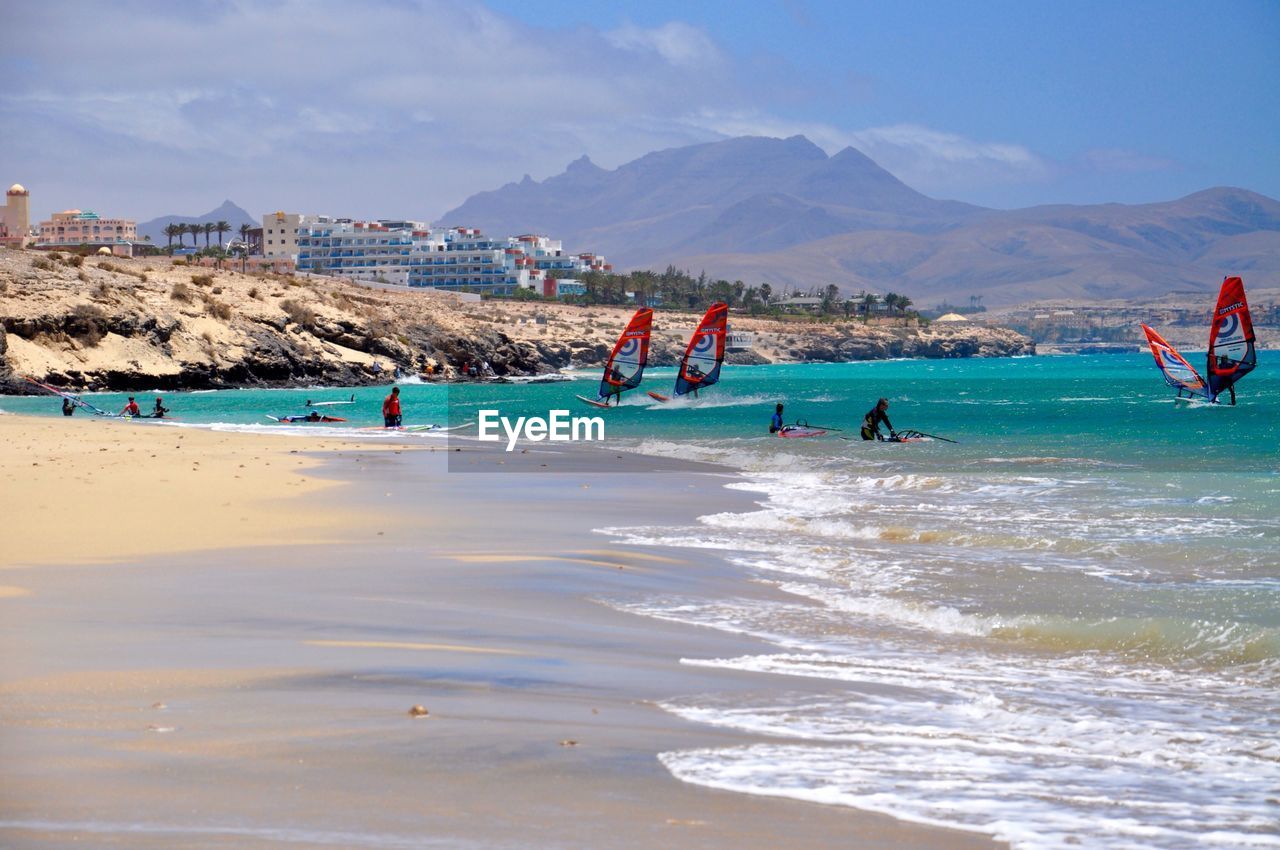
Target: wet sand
{"x": 261, "y": 696}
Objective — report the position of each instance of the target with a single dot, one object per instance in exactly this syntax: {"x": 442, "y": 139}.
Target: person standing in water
{"x": 875, "y": 416}
{"x": 775, "y": 424}
{"x": 159, "y": 410}
{"x": 391, "y": 409}
{"x": 68, "y": 408}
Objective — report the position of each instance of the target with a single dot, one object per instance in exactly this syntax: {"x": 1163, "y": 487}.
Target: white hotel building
{"x": 414, "y": 254}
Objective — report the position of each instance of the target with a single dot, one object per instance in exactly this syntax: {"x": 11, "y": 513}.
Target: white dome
{"x": 17, "y": 189}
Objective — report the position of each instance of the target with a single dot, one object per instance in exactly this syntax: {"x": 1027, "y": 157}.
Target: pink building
{"x": 73, "y": 227}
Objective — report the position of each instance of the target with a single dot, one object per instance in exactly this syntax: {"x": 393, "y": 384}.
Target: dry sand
{"x": 76, "y": 490}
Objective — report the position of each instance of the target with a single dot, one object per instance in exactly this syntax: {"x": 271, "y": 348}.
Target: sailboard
{"x": 594, "y": 402}
{"x": 625, "y": 367}
{"x": 304, "y": 417}
{"x": 74, "y": 399}
{"x": 798, "y": 430}
{"x": 1178, "y": 373}
{"x": 311, "y": 403}
{"x": 1232, "y": 353}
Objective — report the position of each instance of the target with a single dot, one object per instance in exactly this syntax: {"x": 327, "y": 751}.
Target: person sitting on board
{"x": 775, "y": 424}
{"x": 391, "y": 409}
{"x": 67, "y": 407}
{"x": 313, "y": 416}
{"x": 871, "y": 422}
{"x": 159, "y": 410}
{"x": 131, "y": 409}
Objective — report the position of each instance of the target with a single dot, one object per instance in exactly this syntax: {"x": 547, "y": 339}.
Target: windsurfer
{"x": 131, "y": 409}
{"x": 159, "y": 410}
{"x": 775, "y": 424}
{"x": 875, "y": 416}
{"x": 694, "y": 376}
{"x": 67, "y": 407}
{"x": 391, "y": 409}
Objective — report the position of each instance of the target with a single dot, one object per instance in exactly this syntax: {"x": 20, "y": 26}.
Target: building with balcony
{"x": 454, "y": 258}
{"x": 280, "y": 233}
{"x": 74, "y": 227}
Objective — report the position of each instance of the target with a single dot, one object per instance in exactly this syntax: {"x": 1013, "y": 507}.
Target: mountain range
{"x": 784, "y": 212}
{"x": 228, "y": 212}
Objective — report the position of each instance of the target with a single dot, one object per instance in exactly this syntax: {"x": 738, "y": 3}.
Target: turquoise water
{"x": 1063, "y": 630}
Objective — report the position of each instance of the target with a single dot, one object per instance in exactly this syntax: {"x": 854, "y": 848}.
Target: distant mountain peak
{"x": 228, "y": 211}
{"x": 582, "y": 163}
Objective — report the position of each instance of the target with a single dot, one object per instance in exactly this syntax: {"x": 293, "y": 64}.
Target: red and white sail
{"x": 1232, "y": 353}
{"x": 1176, "y": 370}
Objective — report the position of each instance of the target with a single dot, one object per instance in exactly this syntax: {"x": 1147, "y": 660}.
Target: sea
{"x": 1061, "y": 629}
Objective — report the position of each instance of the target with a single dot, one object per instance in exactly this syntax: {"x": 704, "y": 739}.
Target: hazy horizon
{"x": 405, "y": 109}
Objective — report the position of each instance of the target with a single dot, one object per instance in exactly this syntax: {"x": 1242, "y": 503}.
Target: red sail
{"x": 625, "y": 366}
{"x": 1175, "y": 368}
{"x": 700, "y": 366}
{"x": 1232, "y": 353}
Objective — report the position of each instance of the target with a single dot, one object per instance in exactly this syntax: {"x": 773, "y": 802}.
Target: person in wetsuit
{"x": 775, "y": 424}
{"x": 68, "y": 408}
{"x": 875, "y": 416}
{"x": 160, "y": 410}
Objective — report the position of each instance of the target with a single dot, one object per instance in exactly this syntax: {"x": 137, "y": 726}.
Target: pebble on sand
{"x": 418, "y": 711}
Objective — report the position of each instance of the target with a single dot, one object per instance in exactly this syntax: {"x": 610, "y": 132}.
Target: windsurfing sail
{"x": 1231, "y": 342}
{"x": 625, "y": 367}
{"x": 700, "y": 366}
{"x": 74, "y": 399}
{"x": 1176, "y": 370}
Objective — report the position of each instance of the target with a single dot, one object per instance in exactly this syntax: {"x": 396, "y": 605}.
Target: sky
{"x": 404, "y": 108}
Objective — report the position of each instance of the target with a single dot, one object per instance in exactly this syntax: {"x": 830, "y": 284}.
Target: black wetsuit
{"x": 871, "y": 424}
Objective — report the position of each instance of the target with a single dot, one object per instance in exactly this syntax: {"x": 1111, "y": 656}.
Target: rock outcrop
{"x": 135, "y": 324}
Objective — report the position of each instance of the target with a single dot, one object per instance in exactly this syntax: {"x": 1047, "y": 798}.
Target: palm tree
{"x": 869, "y": 300}
{"x": 170, "y": 231}
{"x": 208, "y": 227}
{"x": 195, "y": 230}
{"x": 891, "y": 301}
{"x": 903, "y": 303}
{"x": 220, "y": 228}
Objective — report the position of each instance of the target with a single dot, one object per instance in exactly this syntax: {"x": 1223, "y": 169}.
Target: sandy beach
{"x": 255, "y": 689}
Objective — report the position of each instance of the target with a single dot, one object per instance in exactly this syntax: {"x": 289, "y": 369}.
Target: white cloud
{"x": 924, "y": 157}
{"x": 932, "y": 161}
{"x": 678, "y": 43}
{"x": 391, "y": 107}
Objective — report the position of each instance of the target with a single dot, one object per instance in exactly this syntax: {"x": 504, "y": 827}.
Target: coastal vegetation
{"x": 677, "y": 289}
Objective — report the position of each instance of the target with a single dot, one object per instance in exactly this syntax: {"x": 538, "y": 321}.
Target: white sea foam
{"x": 1032, "y": 647}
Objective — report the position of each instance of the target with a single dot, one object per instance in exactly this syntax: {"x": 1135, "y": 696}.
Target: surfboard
{"x": 593, "y": 402}
{"x": 658, "y": 397}
{"x": 798, "y": 431}
{"x": 303, "y": 417}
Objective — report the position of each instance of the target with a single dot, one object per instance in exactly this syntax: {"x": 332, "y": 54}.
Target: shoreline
{"x": 298, "y": 673}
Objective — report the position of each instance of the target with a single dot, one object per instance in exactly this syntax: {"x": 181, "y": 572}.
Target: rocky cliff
{"x": 133, "y": 324}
